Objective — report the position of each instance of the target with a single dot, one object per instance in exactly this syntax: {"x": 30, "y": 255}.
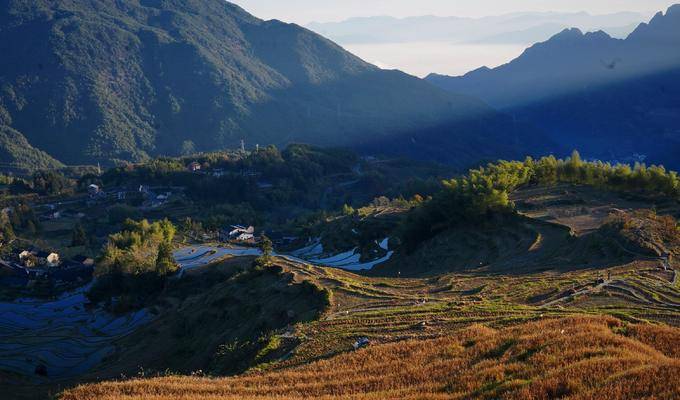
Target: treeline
{"x": 17, "y": 218}
{"x": 44, "y": 183}
{"x": 486, "y": 191}
{"x": 652, "y": 180}
{"x": 134, "y": 264}
{"x": 289, "y": 176}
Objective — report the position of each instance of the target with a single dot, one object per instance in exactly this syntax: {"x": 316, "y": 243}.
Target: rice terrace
{"x": 198, "y": 203}
{"x": 553, "y": 310}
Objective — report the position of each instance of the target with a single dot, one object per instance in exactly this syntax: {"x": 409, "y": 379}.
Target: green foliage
{"x": 31, "y": 228}
{"x": 165, "y": 262}
{"x": 266, "y": 247}
{"x": 220, "y": 215}
{"x": 78, "y": 236}
{"x": 204, "y": 72}
{"x": 51, "y": 182}
{"x": 296, "y": 175}
{"x": 485, "y": 191}
{"x": 120, "y": 213}
{"x": 6, "y": 180}
{"x": 21, "y": 217}
{"x": 136, "y": 248}
{"x": 135, "y": 262}
{"x": 347, "y": 210}
{"x": 188, "y": 148}
{"x": 6, "y": 229}
{"x": 16, "y": 151}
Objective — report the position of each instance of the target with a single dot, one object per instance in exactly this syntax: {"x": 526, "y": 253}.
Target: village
{"x": 48, "y": 261}
{"x": 52, "y": 221}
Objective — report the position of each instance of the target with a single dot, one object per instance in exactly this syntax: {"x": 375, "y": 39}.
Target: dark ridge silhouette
{"x": 610, "y": 98}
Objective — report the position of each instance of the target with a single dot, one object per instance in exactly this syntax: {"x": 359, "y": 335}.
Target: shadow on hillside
{"x": 518, "y": 247}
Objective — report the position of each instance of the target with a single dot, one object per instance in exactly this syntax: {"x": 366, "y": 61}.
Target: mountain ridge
{"x": 551, "y": 58}
{"x": 568, "y": 85}
{"x": 102, "y": 81}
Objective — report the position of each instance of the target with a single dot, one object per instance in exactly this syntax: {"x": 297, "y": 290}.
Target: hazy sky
{"x": 305, "y": 11}
{"x": 421, "y": 58}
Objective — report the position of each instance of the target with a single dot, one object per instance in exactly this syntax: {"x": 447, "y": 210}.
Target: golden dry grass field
{"x": 527, "y": 310}
{"x": 574, "y": 357}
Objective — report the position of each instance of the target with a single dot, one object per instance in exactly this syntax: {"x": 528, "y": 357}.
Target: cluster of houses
{"x": 238, "y": 233}
{"x": 152, "y": 198}
{"x": 94, "y": 191}
{"x": 197, "y": 168}
{"x": 246, "y": 235}
{"x": 34, "y": 258}
{"x": 27, "y": 265}
{"x": 53, "y": 213}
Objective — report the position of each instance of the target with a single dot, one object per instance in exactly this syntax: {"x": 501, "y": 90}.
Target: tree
{"x": 188, "y": 148}
{"x": 266, "y": 247}
{"x": 31, "y": 229}
{"x": 6, "y": 227}
{"x": 121, "y": 212}
{"x": 78, "y": 236}
{"x": 165, "y": 262}
{"x": 347, "y": 210}
{"x": 50, "y": 182}
{"x": 7, "y": 233}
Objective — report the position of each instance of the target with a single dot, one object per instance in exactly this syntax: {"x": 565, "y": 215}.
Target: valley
{"x": 197, "y": 203}
{"x": 409, "y": 322}
{"x": 571, "y": 256}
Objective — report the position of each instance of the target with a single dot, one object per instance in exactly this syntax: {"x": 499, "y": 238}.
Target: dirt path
{"x": 577, "y": 293}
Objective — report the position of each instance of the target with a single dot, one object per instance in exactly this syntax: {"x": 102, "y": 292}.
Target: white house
{"x": 50, "y": 259}
{"x": 245, "y": 237}
{"x": 238, "y": 230}
{"x": 194, "y": 166}
{"x": 93, "y": 190}
{"x": 28, "y": 258}
{"x": 53, "y": 260}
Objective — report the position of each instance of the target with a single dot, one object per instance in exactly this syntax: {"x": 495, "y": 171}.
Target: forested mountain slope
{"x": 101, "y": 80}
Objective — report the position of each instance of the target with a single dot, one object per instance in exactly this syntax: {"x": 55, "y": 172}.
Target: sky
{"x": 305, "y": 11}
{"x": 421, "y": 58}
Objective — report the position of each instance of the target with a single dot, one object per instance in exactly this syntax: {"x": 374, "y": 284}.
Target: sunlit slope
{"x": 575, "y": 358}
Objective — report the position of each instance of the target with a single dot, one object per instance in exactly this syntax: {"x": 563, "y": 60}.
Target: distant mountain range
{"x": 82, "y": 82}
{"x": 611, "y": 98}
{"x": 530, "y": 27}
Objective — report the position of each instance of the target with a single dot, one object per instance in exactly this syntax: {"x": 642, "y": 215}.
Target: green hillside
{"x": 101, "y": 80}
{"x": 16, "y": 152}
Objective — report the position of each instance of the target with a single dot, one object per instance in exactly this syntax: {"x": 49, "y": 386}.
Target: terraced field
{"x": 582, "y": 209}
{"x": 529, "y": 309}
{"x": 50, "y": 341}
{"x": 578, "y": 358}
{"x": 417, "y": 327}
